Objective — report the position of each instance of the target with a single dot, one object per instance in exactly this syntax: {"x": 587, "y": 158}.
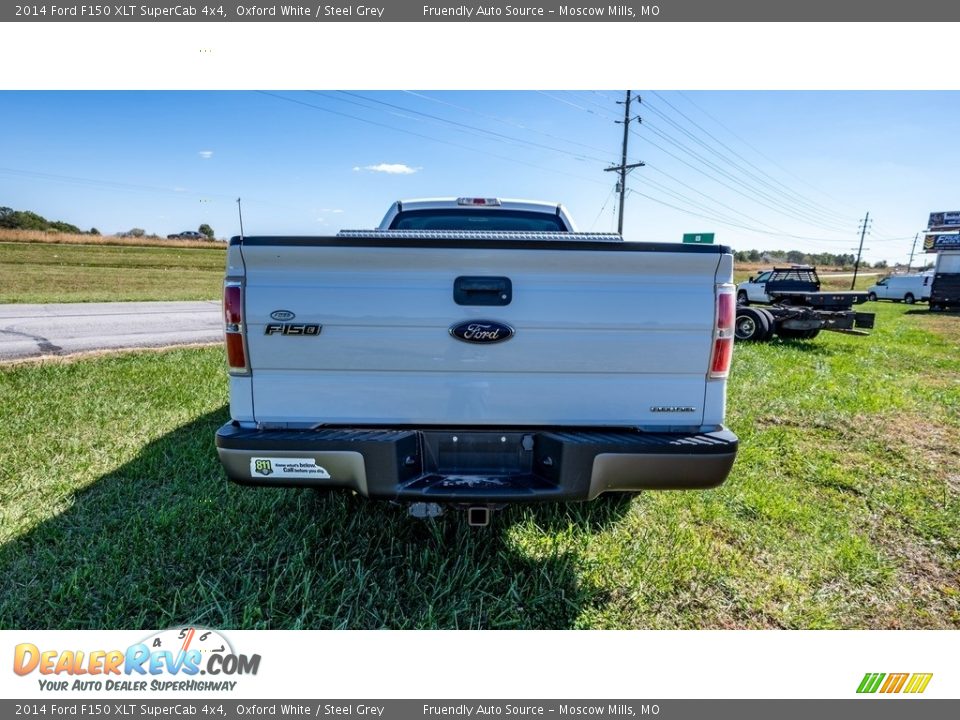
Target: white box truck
{"x": 945, "y": 291}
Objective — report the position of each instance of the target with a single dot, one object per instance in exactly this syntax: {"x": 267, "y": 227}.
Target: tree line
{"x": 798, "y": 257}
{"x": 27, "y": 220}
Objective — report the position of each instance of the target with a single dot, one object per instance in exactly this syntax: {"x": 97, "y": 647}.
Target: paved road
{"x": 60, "y": 329}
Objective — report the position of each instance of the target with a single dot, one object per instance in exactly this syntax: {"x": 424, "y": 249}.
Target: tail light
{"x": 726, "y": 310}
{"x": 233, "y": 328}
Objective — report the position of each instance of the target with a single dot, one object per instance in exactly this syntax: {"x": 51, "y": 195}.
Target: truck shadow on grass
{"x": 927, "y": 312}
{"x": 166, "y": 540}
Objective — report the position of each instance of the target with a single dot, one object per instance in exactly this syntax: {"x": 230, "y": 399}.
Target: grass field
{"x": 8, "y": 235}
{"x": 42, "y": 273}
{"x": 843, "y": 510}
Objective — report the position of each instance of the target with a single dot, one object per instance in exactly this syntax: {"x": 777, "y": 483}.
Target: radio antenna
{"x": 240, "y": 213}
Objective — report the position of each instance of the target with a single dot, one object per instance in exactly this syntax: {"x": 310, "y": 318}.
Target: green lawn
{"x": 843, "y": 510}
{"x": 37, "y": 273}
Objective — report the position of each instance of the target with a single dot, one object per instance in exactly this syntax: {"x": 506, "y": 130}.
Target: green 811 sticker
{"x": 287, "y": 467}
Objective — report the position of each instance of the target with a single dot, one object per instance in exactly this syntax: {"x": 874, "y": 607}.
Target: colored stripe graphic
{"x": 918, "y": 683}
{"x": 870, "y": 682}
{"x": 894, "y": 682}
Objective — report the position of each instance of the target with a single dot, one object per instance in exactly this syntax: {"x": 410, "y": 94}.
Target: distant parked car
{"x": 187, "y": 235}
{"x": 902, "y": 288}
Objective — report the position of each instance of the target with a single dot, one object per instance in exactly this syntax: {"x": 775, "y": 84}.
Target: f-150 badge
{"x": 482, "y": 331}
{"x": 292, "y": 329}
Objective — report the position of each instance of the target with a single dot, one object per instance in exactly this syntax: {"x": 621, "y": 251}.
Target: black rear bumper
{"x": 470, "y": 465}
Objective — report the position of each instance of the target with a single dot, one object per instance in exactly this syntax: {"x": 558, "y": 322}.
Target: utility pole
{"x": 912, "y": 248}
{"x": 863, "y": 231}
{"x": 622, "y": 168}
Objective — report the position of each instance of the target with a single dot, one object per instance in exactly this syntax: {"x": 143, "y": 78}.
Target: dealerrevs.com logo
{"x": 170, "y": 660}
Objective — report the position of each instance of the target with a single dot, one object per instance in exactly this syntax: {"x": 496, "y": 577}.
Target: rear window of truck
{"x": 468, "y": 219}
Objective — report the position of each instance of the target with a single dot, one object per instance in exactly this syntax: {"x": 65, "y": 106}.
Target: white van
{"x": 906, "y": 288}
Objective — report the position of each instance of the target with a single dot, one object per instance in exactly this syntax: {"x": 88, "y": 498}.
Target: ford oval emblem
{"x": 282, "y": 315}
{"x": 482, "y": 331}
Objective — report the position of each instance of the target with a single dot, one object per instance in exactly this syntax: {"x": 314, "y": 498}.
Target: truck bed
{"x": 826, "y": 300}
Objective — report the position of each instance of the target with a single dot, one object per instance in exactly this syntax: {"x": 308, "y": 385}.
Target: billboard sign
{"x": 933, "y": 242}
{"x": 944, "y": 220}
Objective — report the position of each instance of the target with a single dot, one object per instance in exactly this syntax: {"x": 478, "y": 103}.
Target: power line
{"x": 603, "y": 207}
{"x": 567, "y": 102}
{"x": 130, "y": 187}
{"x": 719, "y": 181}
{"x": 789, "y": 195}
{"x": 710, "y": 198}
{"x": 754, "y": 193}
{"x": 456, "y": 123}
{"x": 802, "y": 215}
{"x": 427, "y": 137}
{"x": 803, "y": 204}
{"x": 605, "y": 108}
{"x": 754, "y": 148}
{"x": 695, "y": 213}
{"x": 504, "y": 121}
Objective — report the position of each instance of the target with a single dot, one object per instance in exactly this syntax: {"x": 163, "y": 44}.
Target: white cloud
{"x": 331, "y": 210}
{"x": 389, "y": 168}
{"x": 206, "y": 154}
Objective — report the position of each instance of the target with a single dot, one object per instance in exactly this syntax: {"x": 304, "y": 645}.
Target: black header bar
{"x": 489, "y": 11}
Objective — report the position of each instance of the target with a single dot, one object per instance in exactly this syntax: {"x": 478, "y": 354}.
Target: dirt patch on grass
{"x": 937, "y": 441}
{"x": 925, "y": 591}
{"x": 92, "y": 354}
{"x": 926, "y": 588}
{"x": 946, "y": 325}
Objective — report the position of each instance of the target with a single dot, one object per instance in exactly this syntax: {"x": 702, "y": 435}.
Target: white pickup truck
{"x": 477, "y": 352}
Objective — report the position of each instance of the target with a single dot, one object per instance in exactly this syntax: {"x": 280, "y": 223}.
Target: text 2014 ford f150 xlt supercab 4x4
{"x": 477, "y": 366}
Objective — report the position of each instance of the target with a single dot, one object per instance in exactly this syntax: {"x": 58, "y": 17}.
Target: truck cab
{"x": 755, "y": 289}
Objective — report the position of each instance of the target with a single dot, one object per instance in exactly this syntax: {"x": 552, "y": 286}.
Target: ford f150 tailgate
{"x": 609, "y": 335}
{"x": 487, "y": 333}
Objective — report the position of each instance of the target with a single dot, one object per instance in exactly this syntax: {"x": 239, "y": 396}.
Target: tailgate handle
{"x": 480, "y": 290}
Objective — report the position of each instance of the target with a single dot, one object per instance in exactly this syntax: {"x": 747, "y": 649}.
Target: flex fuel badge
{"x": 287, "y": 468}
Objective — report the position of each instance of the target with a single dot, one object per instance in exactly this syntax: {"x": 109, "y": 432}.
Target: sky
{"x": 766, "y": 169}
